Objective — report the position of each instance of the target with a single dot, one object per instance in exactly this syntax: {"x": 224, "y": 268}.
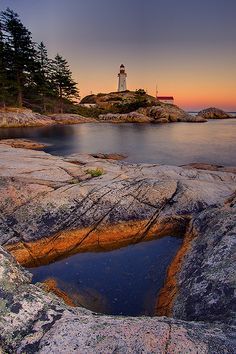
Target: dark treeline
{"x": 27, "y": 76}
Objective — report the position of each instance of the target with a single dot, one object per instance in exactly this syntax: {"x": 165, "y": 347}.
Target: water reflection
{"x": 174, "y": 144}
{"x": 124, "y": 281}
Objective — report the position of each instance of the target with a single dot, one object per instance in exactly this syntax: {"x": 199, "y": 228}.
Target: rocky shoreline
{"x": 157, "y": 114}
{"x": 52, "y": 206}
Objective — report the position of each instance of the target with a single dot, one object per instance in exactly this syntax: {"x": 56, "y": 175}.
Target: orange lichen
{"x": 104, "y": 238}
{"x": 165, "y": 300}
{"x": 51, "y": 285}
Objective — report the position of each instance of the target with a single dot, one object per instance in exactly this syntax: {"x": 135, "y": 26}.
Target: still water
{"x": 174, "y": 144}
{"x": 124, "y": 281}
{"x": 127, "y": 281}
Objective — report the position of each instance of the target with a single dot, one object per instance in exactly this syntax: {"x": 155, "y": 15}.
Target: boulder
{"x": 213, "y": 113}
{"x": 171, "y": 113}
{"x": 22, "y": 117}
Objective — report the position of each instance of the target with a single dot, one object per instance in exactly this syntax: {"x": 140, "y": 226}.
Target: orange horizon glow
{"x": 195, "y": 84}
{"x": 190, "y": 98}
{"x": 185, "y": 47}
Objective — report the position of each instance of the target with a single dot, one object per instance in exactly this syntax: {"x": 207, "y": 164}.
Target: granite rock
{"x": 33, "y": 321}
{"x": 51, "y": 207}
{"x": 213, "y": 113}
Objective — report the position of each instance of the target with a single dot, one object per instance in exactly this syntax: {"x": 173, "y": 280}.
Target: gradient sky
{"x": 186, "y": 47}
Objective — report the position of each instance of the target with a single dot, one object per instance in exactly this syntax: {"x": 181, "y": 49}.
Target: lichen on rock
{"x": 44, "y": 216}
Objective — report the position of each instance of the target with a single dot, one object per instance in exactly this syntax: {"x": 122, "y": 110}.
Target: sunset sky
{"x": 186, "y": 47}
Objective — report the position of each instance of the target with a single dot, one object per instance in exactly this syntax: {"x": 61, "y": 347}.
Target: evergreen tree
{"x": 22, "y": 52}
{"x": 3, "y": 69}
{"x": 65, "y": 86}
{"x": 44, "y": 75}
{"x": 27, "y": 75}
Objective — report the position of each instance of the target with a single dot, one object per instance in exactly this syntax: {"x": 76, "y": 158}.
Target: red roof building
{"x": 166, "y": 99}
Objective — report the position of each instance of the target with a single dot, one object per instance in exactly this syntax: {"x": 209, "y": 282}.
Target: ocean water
{"x": 127, "y": 281}
{"x": 173, "y": 144}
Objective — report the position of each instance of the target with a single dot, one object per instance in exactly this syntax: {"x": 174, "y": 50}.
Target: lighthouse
{"x": 122, "y": 79}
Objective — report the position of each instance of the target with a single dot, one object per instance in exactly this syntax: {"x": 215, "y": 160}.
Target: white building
{"x": 122, "y": 79}
{"x": 166, "y": 99}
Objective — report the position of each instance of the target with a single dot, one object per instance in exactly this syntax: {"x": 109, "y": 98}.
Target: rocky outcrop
{"x": 206, "y": 281}
{"x": 167, "y": 113}
{"x": 144, "y": 108}
{"x": 213, "y": 113}
{"x": 111, "y": 156}
{"x": 202, "y": 287}
{"x": 32, "y": 320}
{"x": 70, "y": 211}
{"x": 23, "y": 144}
{"x": 119, "y": 100}
{"x": 68, "y": 118}
{"x": 133, "y": 117}
{"x": 51, "y": 207}
{"x": 22, "y": 117}
{"x": 210, "y": 167}
{"x": 163, "y": 113}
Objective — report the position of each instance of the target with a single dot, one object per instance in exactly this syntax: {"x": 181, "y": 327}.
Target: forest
{"x": 28, "y": 77}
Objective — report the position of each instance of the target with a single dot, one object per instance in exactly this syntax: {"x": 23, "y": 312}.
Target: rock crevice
{"x": 43, "y": 218}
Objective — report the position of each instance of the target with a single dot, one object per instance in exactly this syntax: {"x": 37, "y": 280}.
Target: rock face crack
{"x": 127, "y": 203}
{"x": 168, "y": 341}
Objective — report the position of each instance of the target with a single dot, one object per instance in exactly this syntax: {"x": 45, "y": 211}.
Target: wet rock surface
{"x": 23, "y": 144}
{"x": 50, "y": 206}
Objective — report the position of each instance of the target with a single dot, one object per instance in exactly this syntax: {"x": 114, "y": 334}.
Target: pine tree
{"x": 65, "y": 86}
{"x": 22, "y": 52}
{"x": 44, "y": 75}
{"x": 27, "y": 75}
{"x": 3, "y": 69}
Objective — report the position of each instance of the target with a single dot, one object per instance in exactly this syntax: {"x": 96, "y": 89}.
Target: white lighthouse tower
{"x": 122, "y": 79}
